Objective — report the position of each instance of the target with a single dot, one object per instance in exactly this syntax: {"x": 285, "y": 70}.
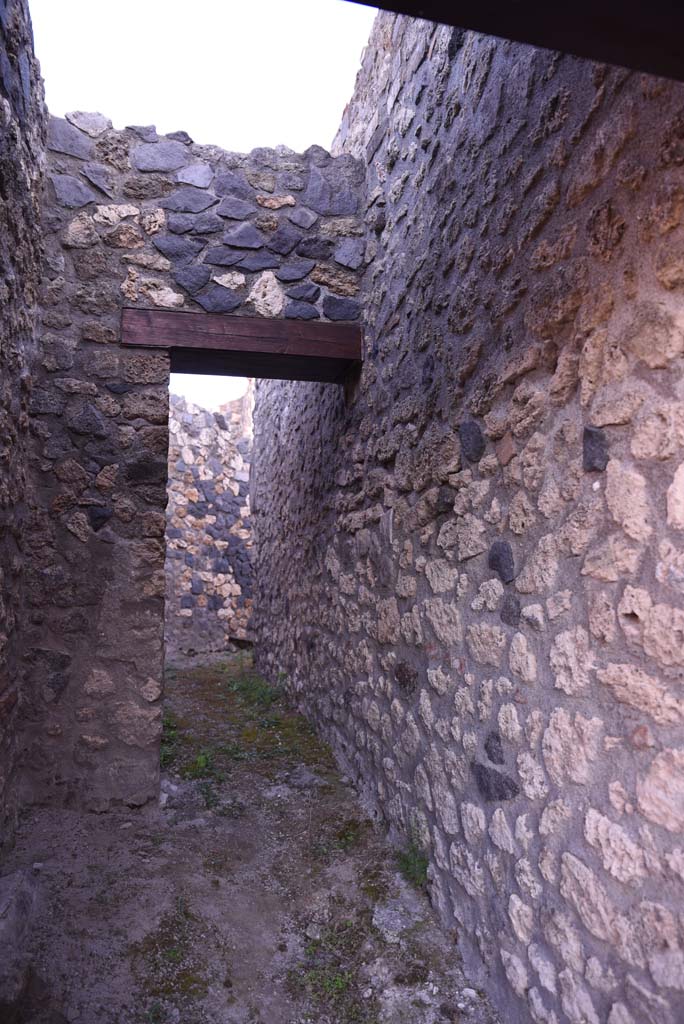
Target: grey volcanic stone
{"x": 192, "y": 278}
{"x": 295, "y": 271}
{"x": 64, "y": 138}
{"x": 176, "y": 248}
{"x": 290, "y": 181}
{"x": 407, "y": 677}
{"x": 284, "y": 239}
{"x": 301, "y": 311}
{"x": 594, "y": 450}
{"x": 349, "y": 253}
{"x": 199, "y": 175}
{"x": 86, "y": 419}
{"x": 258, "y": 261}
{"x": 46, "y": 402}
{"x": 328, "y": 196}
{"x": 99, "y": 516}
{"x": 206, "y": 223}
{"x": 302, "y": 217}
{"x": 71, "y": 192}
{"x": 159, "y": 156}
{"x": 315, "y": 248}
{"x": 244, "y": 236}
{"x": 218, "y": 300}
{"x": 232, "y": 184}
{"x": 221, "y": 256}
{"x": 494, "y": 748}
{"x": 145, "y": 132}
{"x": 93, "y": 124}
{"x": 180, "y": 223}
{"x": 472, "y": 440}
{"x": 501, "y": 560}
{"x": 99, "y": 176}
{"x": 180, "y": 136}
{"x": 510, "y": 610}
{"x": 304, "y": 292}
{"x": 493, "y": 784}
{"x": 234, "y": 208}
{"x": 336, "y": 308}
{"x": 188, "y": 200}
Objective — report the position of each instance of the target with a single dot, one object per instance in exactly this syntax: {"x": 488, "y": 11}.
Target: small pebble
{"x": 469, "y": 993}
{"x": 126, "y": 824}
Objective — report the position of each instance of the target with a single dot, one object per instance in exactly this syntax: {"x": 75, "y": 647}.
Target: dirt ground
{"x": 255, "y": 893}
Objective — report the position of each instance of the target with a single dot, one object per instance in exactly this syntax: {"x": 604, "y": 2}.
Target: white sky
{"x": 234, "y": 73}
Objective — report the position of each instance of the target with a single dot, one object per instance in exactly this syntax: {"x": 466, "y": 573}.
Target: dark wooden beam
{"x": 633, "y": 33}
{"x": 246, "y": 346}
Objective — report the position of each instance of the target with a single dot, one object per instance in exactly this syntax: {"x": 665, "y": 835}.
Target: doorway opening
{"x": 209, "y": 548}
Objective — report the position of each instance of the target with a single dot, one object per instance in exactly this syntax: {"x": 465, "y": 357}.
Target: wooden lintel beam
{"x": 643, "y": 36}
{"x": 248, "y": 346}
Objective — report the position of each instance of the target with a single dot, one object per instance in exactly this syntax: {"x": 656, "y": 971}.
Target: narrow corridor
{"x": 257, "y": 892}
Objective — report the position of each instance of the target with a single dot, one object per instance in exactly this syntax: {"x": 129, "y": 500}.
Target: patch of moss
{"x": 168, "y": 961}
{"x": 412, "y": 861}
{"x": 328, "y": 977}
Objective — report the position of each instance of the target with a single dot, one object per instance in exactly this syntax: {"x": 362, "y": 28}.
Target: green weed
{"x": 413, "y": 863}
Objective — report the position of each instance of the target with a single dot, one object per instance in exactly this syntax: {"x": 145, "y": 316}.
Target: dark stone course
{"x": 180, "y": 136}
{"x": 187, "y": 601}
{"x": 71, "y": 192}
{"x": 66, "y": 138}
{"x": 145, "y": 132}
{"x": 336, "y": 308}
{"x": 188, "y": 200}
{"x": 445, "y": 500}
{"x": 349, "y": 253}
{"x": 99, "y": 176}
{"x": 492, "y": 784}
{"x": 328, "y": 197}
{"x": 119, "y": 389}
{"x": 284, "y": 239}
{"x": 594, "y": 450}
{"x": 295, "y": 271}
{"x": 218, "y": 300}
{"x": 290, "y": 181}
{"x": 301, "y": 311}
{"x": 315, "y": 248}
{"x": 494, "y": 748}
{"x": 192, "y": 278}
{"x": 501, "y": 561}
{"x": 472, "y": 440}
{"x": 221, "y": 256}
{"x": 177, "y": 248}
{"x": 258, "y": 261}
{"x": 159, "y": 156}
{"x": 510, "y": 610}
{"x": 244, "y": 236}
{"x": 46, "y": 403}
{"x": 407, "y": 677}
{"x": 86, "y": 419}
{"x": 199, "y": 175}
{"x": 302, "y": 217}
{"x": 304, "y": 292}
{"x": 235, "y": 209}
{"x": 180, "y": 223}
{"x": 98, "y": 516}
{"x": 232, "y": 184}
{"x": 146, "y": 469}
{"x": 199, "y": 224}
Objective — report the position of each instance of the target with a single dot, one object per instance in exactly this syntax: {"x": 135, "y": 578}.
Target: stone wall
{"x": 22, "y": 132}
{"x": 208, "y": 530}
{"x": 476, "y": 586}
{"x": 131, "y": 218}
